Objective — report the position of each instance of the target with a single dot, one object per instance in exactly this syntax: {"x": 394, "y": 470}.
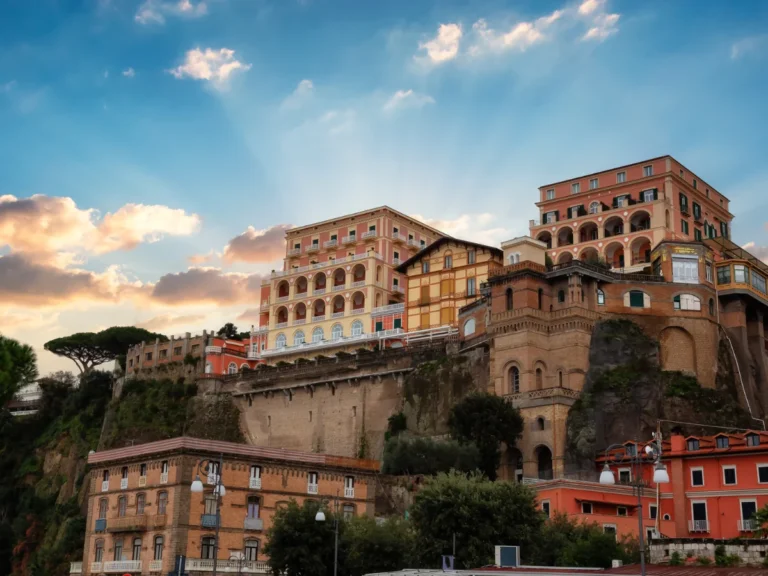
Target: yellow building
{"x": 444, "y": 277}
{"x": 335, "y": 275}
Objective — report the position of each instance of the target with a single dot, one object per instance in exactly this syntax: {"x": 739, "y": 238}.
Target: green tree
{"x": 761, "y": 517}
{"x": 479, "y": 512}
{"x": 229, "y": 330}
{"x": 18, "y": 366}
{"x": 372, "y": 546}
{"x": 90, "y": 349}
{"x": 486, "y": 420}
{"x": 403, "y": 455}
{"x": 298, "y": 545}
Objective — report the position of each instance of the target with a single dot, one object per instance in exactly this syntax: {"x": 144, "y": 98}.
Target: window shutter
{"x": 425, "y": 295}
{"x": 557, "y": 216}
{"x": 425, "y": 320}
{"x": 655, "y": 193}
{"x": 616, "y": 202}
{"x": 582, "y": 210}
{"x": 640, "y": 196}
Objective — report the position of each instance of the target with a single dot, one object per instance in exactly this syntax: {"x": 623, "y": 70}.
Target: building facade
{"x": 620, "y": 215}
{"x": 142, "y": 514}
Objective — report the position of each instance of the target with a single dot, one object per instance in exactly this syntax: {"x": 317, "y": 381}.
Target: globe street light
{"x": 651, "y": 454}
{"x": 206, "y": 467}
{"x": 320, "y": 517}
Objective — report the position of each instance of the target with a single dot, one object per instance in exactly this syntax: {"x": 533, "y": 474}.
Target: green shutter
{"x": 398, "y": 323}
{"x": 379, "y": 326}
{"x": 636, "y": 299}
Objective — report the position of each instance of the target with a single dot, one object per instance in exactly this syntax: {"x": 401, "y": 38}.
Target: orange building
{"x": 142, "y": 514}
{"x": 621, "y": 214}
{"x": 225, "y": 356}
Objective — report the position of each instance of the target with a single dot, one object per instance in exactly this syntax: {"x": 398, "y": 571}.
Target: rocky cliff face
{"x": 626, "y": 393}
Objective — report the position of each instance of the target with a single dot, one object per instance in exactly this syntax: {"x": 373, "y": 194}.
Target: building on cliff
{"x": 142, "y": 514}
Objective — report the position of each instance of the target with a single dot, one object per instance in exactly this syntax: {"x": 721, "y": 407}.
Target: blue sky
{"x": 298, "y": 110}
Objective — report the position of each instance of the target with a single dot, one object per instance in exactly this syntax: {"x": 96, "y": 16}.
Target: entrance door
{"x": 748, "y": 509}
{"x": 699, "y": 511}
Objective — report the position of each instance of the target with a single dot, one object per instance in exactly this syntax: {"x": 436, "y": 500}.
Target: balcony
{"x": 283, "y": 298}
{"x": 311, "y": 488}
{"x": 294, "y": 252}
{"x": 750, "y": 525}
{"x": 228, "y": 566}
{"x": 398, "y": 288}
{"x": 337, "y": 314}
{"x": 208, "y": 520}
{"x": 339, "y": 288}
{"x": 255, "y": 484}
{"x": 349, "y": 492}
{"x": 313, "y": 248}
{"x": 413, "y": 243}
{"x": 698, "y": 526}
{"x": 395, "y": 261}
{"x": 164, "y": 478}
{"x": 264, "y": 305}
{"x": 96, "y": 567}
{"x": 318, "y": 318}
{"x": 128, "y": 524}
{"x": 75, "y": 567}
{"x": 105, "y": 486}
{"x": 397, "y": 237}
{"x": 123, "y": 483}
{"x": 358, "y": 284}
{"x": 280, "y": 325}
{"x": 213, "y": 349}
{"x": 349, "y": 239}
{"x": 318, "y": 291}
{"x": 123, "y": 566}
{"x": 142, "y": 481}
{"x": 369, "y": 234}
{"x": 330, "y": 243}
{"x": 155, "y": 565}
{"x": 253, "y": 524}
{"x": 358, "y": 311}
{"x": 318, "y": 265}
{"x": 390, "y": 308}
{"x": 299, "y": 321}
{"x": 253, "y": 355}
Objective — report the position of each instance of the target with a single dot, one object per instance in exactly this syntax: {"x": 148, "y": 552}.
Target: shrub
{"x": 675, "y": 559}
{"x": 426, "y": 456}
{"x": 703, "y": 560}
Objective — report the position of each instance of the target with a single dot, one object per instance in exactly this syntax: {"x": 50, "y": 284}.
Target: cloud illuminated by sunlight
{"x": 214, "y": 66}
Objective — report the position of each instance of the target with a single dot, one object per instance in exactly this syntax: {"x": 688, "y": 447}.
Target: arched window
{"x": 686, "y": 302}
{"x": 162, "y": 502}
{"x": 252, "y": 510}
{"x": 357, "y": 328}
{"x": 378, "y": 273}
{"x": 140, "y": 501}
{"x": 600, "y": 297}
{"x": 136, "y": 549}
{"x": 510, "y": 302}
{"x": 539, "y": 379}
{"x": 448, "y": 261}
{"x": 337, "y": 332}
{"x": 251, "y": 550}
{"x": 711, "y": 307}
{"x": 317, "y": 334}
{"x": 158, "y": 548}
{"x": 514, "y": 258}
{"x": 280, "y": 341}
{"x": 103, "y": 508}
{"x": 514, "y": 380}
{"x": 122, "y": 503}
{"x": 298, "y": 338}
{"x": 207, "y": 547}
{"x": 594, "y": 207}
{"x": 232, "y": 368}
{"x": 98, "y": 551}
{"x": 469, "y": 327}
{"x": 560, "y": 296}
{"x": 540, "y": 424}
{"x": 208, "y": 368}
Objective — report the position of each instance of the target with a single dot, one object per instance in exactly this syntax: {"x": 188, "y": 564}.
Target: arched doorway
{"x": 545, "y": 237}
{"x": 614, "y": 255}
{"x": 565, "y": 258}
{"x": 544, "y": 463}
{"x": 565, "y": 236}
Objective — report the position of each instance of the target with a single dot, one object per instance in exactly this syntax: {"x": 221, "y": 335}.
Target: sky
{"x": 153, "y": 152}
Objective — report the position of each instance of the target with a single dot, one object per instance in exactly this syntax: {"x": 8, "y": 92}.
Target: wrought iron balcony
{"x": 698, "y": 526}
{"x": 75, "y": 567}
{"x": 255, "y": 484}
{"x": 208, "y": 520}
{"x": 100, "y": 525}
{"x": 349, "y": 492}
{"x": 311, "y": 488}
{"x": 122, "y": 566}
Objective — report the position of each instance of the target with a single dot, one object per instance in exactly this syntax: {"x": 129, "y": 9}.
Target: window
{"x": 722, "y": 442}
{"x": 469, "y": 327}
{"x": 600, "y": 298}
{"x": 551, "y": 194}
{"x": 695, "y": 184}
{"x": 337, "y": 332}
{"x": 142, "y": 470}
{"x": 514, "y": 379}
{"x": 586, "y": 507}
{"x": 729, "y": 475}
{"x": 708, "y": 269}
{"x": 348, "y": 511}
{"x": 232, "y": 368}
{"x": 594, "y": 207}
{"x": 724, "y": 275}
{"x": 398, "y": 323}
{"x": 685, "y": 270}
{"x": 724, "y": 229}
{"x": 118, "y": 548}
{"x": 124, "y": 473}
{"x": 625, "y": 475}
{"x": 98, "y": 553}
{"x": 162, "y": 502}
{"x": 697, "y": 476}
{"x": 470, "y": 257}
{"x": 448, "y": 261}
{"x": 593, "y": 183}
{"x": 122, "y": 504}
{"x": 636, "y": 299}
{"x": 758, "y": 282}
{"x": 699, "y": 515}
{"x": 317, "y": 334}
{"x": 158, "y": 554}
{"x": 621, "y": 510}
{"x": 425, "y": 266}
{"x": 762, "y": 473}
{"x": 686, "y": 302}
{"x": 697, "y": 234}
{"x": 575, "y": 188}
{"x": 653, "y": 511}
{"x": 609, "y": 529}
{"x": 208, "y": 548}
{"x": 561, "y": 296}
{"x": 148, "y": 356}
{"x": 252, "y": 507}
{"x": 622, "y": 201}
{"x": 210, "y": 504}
{"x": 509, "y": 299}
{"x": 470, "y": 287}
{"x": 550, "y": 217}
{"x": 648, "y": 195}
{"x": 312, "y": 482}
{"x": 251, "y": 550}
{"x": 621, "y": 177}
{"x": 752, "y": 440}
{"x": 357, "y": 328}
{"x": 177, "y": 351}
{"x": 692, "y": 444}
{"x": 280, "y": 341}
{"x": 696, "y": 211}
{"x": 298, "y": 338}
{"x": 539, "y": 378}
{"x": 684, "y": 226}
{"x": 683, "y": 203}
{"x": 514, "y": 258}
{"x": 103, "y": 504}
{"x": 140, "y": 502}
{"x": 136, "y": 549}
{"x": 647, "y": 171}
{"x": 540, "y": 294}
{"x": 545, "y": 508}
{"x": 163, "y": 354}
{"x": 740, "y": 273}
{"x": 630, "y": 449}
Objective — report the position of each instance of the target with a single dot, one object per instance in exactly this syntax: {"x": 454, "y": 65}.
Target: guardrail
{"x": 228, "y": 566}
{"x": 75, "y": 567}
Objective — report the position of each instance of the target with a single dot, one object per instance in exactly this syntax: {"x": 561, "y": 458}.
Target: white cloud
{"x": 407, "y": 99}
{"x": 749, "y": 45}
{"x": 337, "y": 121}
{"x": 215, "y": 66}
{"x": 444, "y": 46}
{"x": 760, "y": 252}
{"x": 589, "y": 6}
{"x": 129, "y": 72}
{"x": 300, "y": 95}
{"x": 603, "y": 26}
{"x": 155, "y": 11}
{"x": 519, "y": 37}
{"x": 482, "y": 228}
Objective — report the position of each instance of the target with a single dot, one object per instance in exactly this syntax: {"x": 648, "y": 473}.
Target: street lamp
{"x": 651, "y": 454}
{"x": 205, "y": 467}
{"x": 320, "y": 517}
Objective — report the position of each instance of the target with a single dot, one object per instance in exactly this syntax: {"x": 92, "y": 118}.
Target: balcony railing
{"x": 339, "y": 288}
{"x": 358, "y": 283}
{"x": 358, "y": 311}
{"x": 283, "y": 298}
{"x": 208, "y": 520}
{"x": 318, "y": 265}
{"x": 313, "y": 247}
{"x": 396, "y": 261}
{"x": 75, "y": 567}
{"x": 750, "y": 525}
{"x": 397, "y": 236}
{"x": 349, "y": 239}
{"x": 698, "y": 525}
{"x": 349, "y": 492}
{"x": 228, "y": 566}
{"x": 330, "y": 243}
{"x": 159, "y": 520}
{"x": 253, "y": 524}
{"x": 294, "y": 252}
{"x": 265, "y": 304}
{"x": 100, "y": 525}
{"x": 319, "y": 318}
{"x": 155, "y": 565}
{"x": 122, "y": 566}
{"x": 369, "y": 234}
{"x": 398, "y": 288}
{"x": 164, "y": 478}
{"x": 299, "y": 321}
{"x": 281, "y": 325}
{"x": 96, "y": 567}
{"x": 338, "y": 314}
{"x": 255, "y": 484}
{"x": 389, "y": 308}
{"x": 319, "y": 291}
{"x": 253, "y": 355}
{"x": 105, "y": 486}
{"x": 128, "y": 524}
{"x": 123, "y": 483}
{"x": 213, "y": 349}
{"x": 311, "y": 488}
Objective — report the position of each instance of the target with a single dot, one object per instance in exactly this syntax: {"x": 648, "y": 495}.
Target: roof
{"x": 733, "y": 251}
{"x": 439, "y": 242}
{"x": 186, "y": 444}
{"x": 362, "y": 213}
{"x": 629, "y": 570}
{"x": 737, "y": 444}
{"x": 611, "y": 502}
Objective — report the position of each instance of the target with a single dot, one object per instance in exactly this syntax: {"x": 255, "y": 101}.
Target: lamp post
{"x": 320, "y": 517}
{"x": 650, "y": 454}
{"x": 205, "y": 467}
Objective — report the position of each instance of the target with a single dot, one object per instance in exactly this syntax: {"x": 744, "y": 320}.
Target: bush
{"x": 676, "y": 559}
{"x": 395, "y": 424}
{"x": 427, "y": 456}
{"x": 703, "y": 560}
{"x": 723, "y": 559}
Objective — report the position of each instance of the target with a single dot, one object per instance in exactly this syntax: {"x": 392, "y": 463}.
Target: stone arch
{"x": 589, "y": 254}
{"x": 565, "y": 236}
{"x": 543, "y": 456}
{"x": 613, "y": 226}
{"x": 300, "y": 312}
{"x": 512, "y": 464}
{"x": 358, "y": 273}
{"x": 546, "y": 237}
{"x": 318, "y": 308}
{"x": 301, "y": 285}
{"x": 338, "y": 305}
{"x": 678, "y": 350}
{"x": 320, "y": 282}
{"x": 588, "y": 231}
{"x": 539, "y": 373}
{"x": 514, "y": 378}
{"x": 339, "y": 277}
{"x": 614, "y": 255}
{"x": 283, "y": 289}
{"x": 358, "y": 301}
{"x": 639, "y": 220}
{"x": 282, "y": 315}
{"x": 378, "y": 300}
{"x": 565, "y": 257}
{"x": 640, "y": 250}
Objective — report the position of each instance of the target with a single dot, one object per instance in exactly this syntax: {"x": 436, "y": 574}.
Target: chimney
{"x": 677, "y": 443}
